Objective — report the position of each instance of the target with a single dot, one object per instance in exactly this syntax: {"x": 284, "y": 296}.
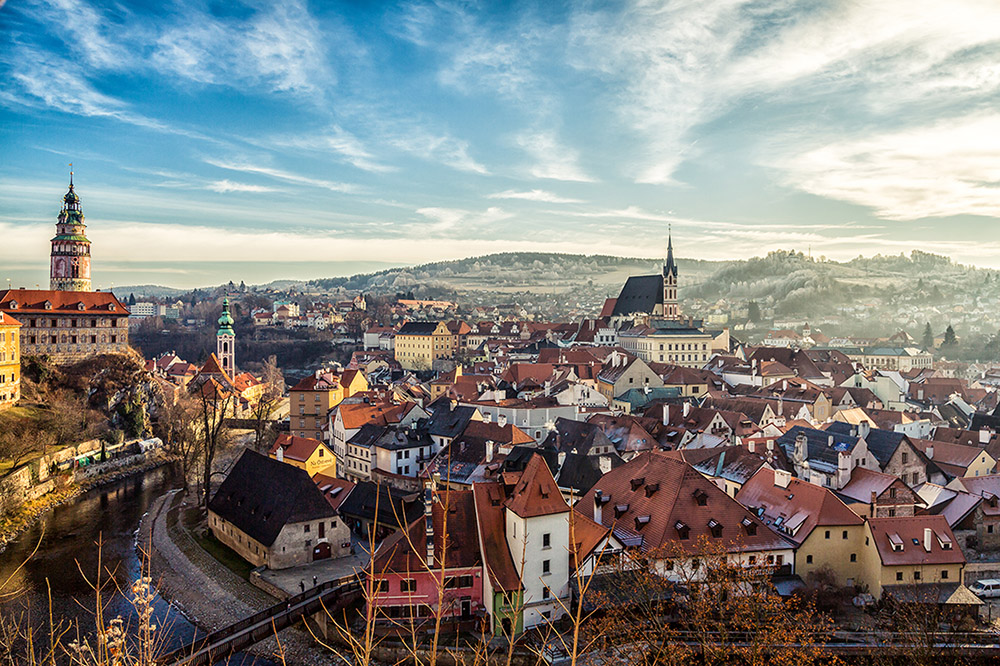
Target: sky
{"x": 260, "y": 140}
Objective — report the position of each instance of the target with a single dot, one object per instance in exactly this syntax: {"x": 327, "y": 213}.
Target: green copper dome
{"x": 226, "y": 321}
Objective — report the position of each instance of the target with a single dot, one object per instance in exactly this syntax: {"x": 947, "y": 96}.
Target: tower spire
{"x": 226, "y": 340}
{"x": 71, "y": 175}
{"x": 69, "y": 261}
{"x": 670, "y": 309}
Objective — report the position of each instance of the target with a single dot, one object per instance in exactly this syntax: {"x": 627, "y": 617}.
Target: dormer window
{"x": 636, "y": 483}
{"x": 48, "y": 305}
{"x": 682, "y": 530}
{"x": 13, "y": 305}
{"x": 81, "y": 306}
{"x": 112, "y": 307}
{"x": 715, "y": 528}
{"x": 897, "y": 542}
{"x": 620, "y": 510}
{"x": 651, "y": 488}
{"x": 749, "y": 526}
{"x": 701, "y": 497}
{"x": 641, "y": 521}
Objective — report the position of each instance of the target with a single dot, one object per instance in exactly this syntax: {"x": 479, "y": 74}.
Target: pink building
{"x": 410, "y": 565}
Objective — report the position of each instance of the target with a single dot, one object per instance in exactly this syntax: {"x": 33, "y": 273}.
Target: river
{"x": 68, "y": 551}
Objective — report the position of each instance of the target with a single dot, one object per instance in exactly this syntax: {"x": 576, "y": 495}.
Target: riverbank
{"x": 17, "y": 520}
{"x": 209, "y": 595}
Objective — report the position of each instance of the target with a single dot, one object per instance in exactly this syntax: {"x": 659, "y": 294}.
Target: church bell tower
{"x": 69, "y": 265}
{"x": 671, "y": 311}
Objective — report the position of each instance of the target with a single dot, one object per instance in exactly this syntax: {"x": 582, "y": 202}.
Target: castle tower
{"x": 225, "y": 346}
{"x": 671, "y": 310}
{"x": 69, "y": 266}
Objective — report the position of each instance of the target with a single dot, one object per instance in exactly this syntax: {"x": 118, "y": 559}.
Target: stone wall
{"x": 20, "y": 487}
{"x": 63, "y": 455}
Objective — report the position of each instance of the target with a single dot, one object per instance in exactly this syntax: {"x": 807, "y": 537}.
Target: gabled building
{"x": 273, "y": 515}
{"x": 873, "y": 494}
{"x": 893, "y": 450}
{"x": 823, "y": 457}
{"x": 421, "y": 345}
{"x": 309, "y": 454}
{"x": 914, "y": 552}
{"x": 664, "y": 507}
{"x": 312, "y": 398}
{"x": 826, "y": 533}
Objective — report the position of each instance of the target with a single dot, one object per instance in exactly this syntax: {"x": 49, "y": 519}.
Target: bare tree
{"x": 177, "y": 424}
{"x": 266, "y": 404}
{"x": 216, "y": 405}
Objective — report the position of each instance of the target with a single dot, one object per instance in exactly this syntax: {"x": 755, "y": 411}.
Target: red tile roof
{"x": 334, "y": 490}
{"x": 658, "y": 499}
{"x": 66, "y": 302}
{"x": 908, "y": 535}
{"x": 496, "y": 554}
{"x": 796, "y": 509}
{"x": 536, "y": 492}
{"x": 454, "y": 527}
{"x": 296, "y": 448}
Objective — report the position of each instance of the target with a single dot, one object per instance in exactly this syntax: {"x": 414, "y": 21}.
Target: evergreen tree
{"x": 753, "y": 312}
{"x": 949, "y": 337}
{"x": 131, "y": 299}
{"x": 928, "y": 340}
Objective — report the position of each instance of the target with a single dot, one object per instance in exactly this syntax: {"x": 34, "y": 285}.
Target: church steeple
{"x": 671, "y": 310}
{"x": 69, "y": 265}
{"x": 226, "y": 340}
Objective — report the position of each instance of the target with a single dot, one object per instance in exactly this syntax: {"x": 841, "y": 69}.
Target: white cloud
{"x": 224, "y": 186}
{"x": 533, "y": 195}
{"x": 551, "y": 159}
{"x": 280, "y": 47}
{"x": 87, "y": 28}
{"x": 279, "y": 174}
{"x": 451, "y": 219}
{"x": 951, "y": 167}
{"x": 338, "y": 141}
{"x": 433, "y": 146}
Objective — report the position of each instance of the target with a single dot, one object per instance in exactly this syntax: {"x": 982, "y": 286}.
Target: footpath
{"x": 208, "y": 594}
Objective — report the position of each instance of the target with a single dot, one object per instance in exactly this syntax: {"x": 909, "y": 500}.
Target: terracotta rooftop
{"x": 295, "y": 448}
{"x": 901, "y": 541}
{"x": 33, "y": 301}
{"x": 497, "y": 560}
{"x": 536, "y": 492}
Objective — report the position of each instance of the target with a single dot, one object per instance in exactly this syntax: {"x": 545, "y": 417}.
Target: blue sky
{"x": 269, "y": 139}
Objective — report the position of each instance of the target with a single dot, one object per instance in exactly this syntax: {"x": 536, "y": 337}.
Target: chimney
{"x": 864, "y": 428}
{"x": 280, "y": 454}
{"x": 782, "y": 478}
{"x": 666, "y": 414}
{"x": 501, "y": 420}
{"x": 829, "y": 441}
{"x": 561, "y": 459}
{"x": 429, "y": 521}
{"x": 928, "y": 535}
{"x": 984, "y": 436}
{"x": 930, "y": 452}
{"x": 751, "y": 446}
{"x": 598, "y": 506}
{"x": 487, "y": 417}
{"x": 604, "y": 464}
{"x": 801, "y": 447}
{"x": 489, "y": 450}
{"x": 687, "y": 409}
{"x": 784, "y": 385}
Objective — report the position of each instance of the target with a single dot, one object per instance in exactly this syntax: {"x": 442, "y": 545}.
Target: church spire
{"x": 669, "y": 267}
{"x": 670, "y": 310}
{"x": 225, "y": 340}
{"x": 69, "y": 262}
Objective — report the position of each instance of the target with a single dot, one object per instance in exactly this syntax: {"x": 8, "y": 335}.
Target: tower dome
{"x": 226, "y": 321}
{"x": 69, "y": 262}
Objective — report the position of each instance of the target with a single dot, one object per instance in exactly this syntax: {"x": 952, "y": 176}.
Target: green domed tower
{"x": 69, "y": 265}
{"x": 226, "y": 341}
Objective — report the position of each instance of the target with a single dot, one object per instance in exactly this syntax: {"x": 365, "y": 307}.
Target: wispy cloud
{"x": 550, "y": 158}
{"x": 423, "y": 143}
{"x": 225, "y": 186}
{"x": 343, "y": 144}
{"x": 451, "y": 219}
{"x": 287, "y": 176}
{"x": 534, "y": 195}
{"x": 951, "y": 167}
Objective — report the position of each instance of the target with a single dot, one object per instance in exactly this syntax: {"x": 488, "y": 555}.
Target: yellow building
{"x": 305, "y": 453}
{"x": 911, "y": 552}
{"x": 312, "y": 399}
{"x": 420, "y": 343}
{"x": 10, "y": 360}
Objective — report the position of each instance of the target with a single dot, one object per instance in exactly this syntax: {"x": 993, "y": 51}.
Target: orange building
{"x": 311, "y": 399}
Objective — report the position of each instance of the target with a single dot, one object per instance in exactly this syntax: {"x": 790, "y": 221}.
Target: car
{"x": 986, "y": 588}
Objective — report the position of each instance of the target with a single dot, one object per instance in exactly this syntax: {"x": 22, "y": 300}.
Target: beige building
{"x": 420, "y": 344}
{"x": 681, "y": 342}
{"x": 311, "y": 400}
{"x": 902, "y": 359}
{"x": 305, "y": 453}
{"x": 273, "y": 515}
{"x": 67, "y": 326}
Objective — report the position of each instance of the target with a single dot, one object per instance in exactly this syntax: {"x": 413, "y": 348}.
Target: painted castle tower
{"x": 225, "y": 347}
{"x": 69, "y": 268}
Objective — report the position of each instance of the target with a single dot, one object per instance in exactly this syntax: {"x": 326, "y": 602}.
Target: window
{"x": 916, "y": 575}
{"x": 809, "y": 559}
{"x": 905, "y": 457}
{"x": 546, "y": 540}
{"x": 899, "y": 575}
{"x": 546, "y": 568}
{"x": 381, "y": 585}
{"x": 306, "y": 528}
{"x": 408, "y": 585}
{"x": 309, "y": 543}
{"x": 854, "y": 557}
{"x": 944, "y": 574}
{"x": 892, "y": 493}
{"x": 844, "y": 535}
{"x": 827, "y": 535}
{"x": 545, "y": 592}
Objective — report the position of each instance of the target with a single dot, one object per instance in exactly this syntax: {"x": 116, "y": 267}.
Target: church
{"x": 647, "y": 318}
{"x": 68, "y": 321}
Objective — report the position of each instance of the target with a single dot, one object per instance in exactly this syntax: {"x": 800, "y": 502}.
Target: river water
{"x": 68, "y": 555}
